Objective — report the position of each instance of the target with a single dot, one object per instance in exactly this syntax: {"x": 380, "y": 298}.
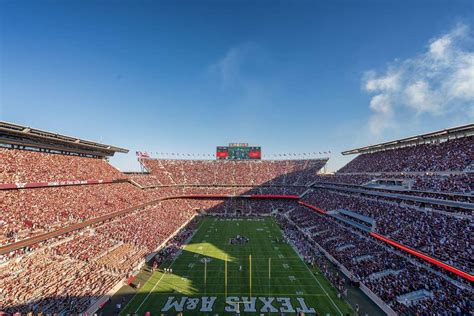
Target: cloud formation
{"x": 229, "y": 68}
{"x": 438, "y": 83}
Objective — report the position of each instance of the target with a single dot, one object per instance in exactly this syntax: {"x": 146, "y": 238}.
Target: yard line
{"x": 146, "y": 297}
{"x": 175, "y": 258}
{"x": 321, "y": 286}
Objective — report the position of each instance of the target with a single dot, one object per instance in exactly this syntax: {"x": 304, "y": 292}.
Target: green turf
{"x": 288, "y": 277}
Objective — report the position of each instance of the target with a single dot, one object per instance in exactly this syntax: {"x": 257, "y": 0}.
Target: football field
{"x": 261, "y": 275}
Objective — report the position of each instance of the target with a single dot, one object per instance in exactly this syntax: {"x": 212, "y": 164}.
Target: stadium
{"x": 389, "y": 233}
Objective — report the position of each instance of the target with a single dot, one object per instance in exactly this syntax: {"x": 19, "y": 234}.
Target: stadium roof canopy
{"x": 441, "y": 135}
{"x": 24, "y": 137}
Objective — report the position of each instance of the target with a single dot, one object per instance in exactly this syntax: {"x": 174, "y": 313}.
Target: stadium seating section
{"x": 453, "y": 155}
{"x": 29, "y": 166}
{"x": 210, "y": 172}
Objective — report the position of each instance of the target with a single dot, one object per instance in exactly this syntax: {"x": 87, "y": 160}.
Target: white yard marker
{"x": 150, "y": 291}
{"x": 156, "y": 284}
{"x": 321, "y": 286}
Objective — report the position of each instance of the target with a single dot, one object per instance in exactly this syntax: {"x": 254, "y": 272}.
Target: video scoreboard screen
{"x": 238, "y": 151}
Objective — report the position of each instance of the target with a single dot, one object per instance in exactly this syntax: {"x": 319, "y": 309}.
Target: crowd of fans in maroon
{"x": 28, "y": 212}
{"x": 231, "y": 172}
{"x": 68, "y": 273}
{"x": 22, "y": 166}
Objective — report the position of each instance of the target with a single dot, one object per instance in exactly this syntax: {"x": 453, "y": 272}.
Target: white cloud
{"x": 229, "y": 67}
{"x": 439, "y": 82}
{"x": 421, "y": 97}
{"x": 389, "y": 82}
{"x": 383, "y": 113}
{"x": 461, "y": 83}
{"x": 439, "y": 47}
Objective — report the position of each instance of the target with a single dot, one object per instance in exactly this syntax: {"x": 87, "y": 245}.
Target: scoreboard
{"x": 238, "y": 151}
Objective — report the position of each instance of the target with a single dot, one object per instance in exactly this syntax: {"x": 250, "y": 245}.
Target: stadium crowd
{"x": 451, "y": 155}
{"x": 213, "y": 172}
{"x": 444, "y": 236}
{"x": 29, "y": 212}
{"x": 394, "y": 279}
{"x": 174, "y": 245}
{"x": 69, "y": 275}
{"x": 44, "y": 282}
{"x": 25, "y": 166}
{"x": 428, "y": 184}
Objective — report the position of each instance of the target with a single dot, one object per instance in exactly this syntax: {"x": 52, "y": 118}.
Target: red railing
{"x": 314, "y": 208}
{"x": 227, "y": 196}
{"x": 418, "y": 254}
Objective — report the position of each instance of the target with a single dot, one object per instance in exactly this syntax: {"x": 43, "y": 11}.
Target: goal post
{"x": 250, "y": 276}
{"x": 269, "y": 275}
{"x": 225, "y": 278}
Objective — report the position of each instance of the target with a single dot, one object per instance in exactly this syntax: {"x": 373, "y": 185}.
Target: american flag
{"x": 142, "y": 154}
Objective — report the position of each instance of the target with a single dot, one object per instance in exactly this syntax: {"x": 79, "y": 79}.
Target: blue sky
{"x": 185, "y": 76}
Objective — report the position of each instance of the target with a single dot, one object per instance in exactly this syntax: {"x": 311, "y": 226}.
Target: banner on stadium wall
{"x": 31, "y": 185}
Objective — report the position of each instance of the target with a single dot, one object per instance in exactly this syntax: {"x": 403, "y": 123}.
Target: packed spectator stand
{"x": 385, "y": 273}
{"x": 223, "y": 172}
{"x": 449, "y": 155}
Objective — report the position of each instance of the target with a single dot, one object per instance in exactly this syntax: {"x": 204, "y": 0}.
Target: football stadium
{"x": 388, "y": 233}
{"x": 236, "y": 157}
